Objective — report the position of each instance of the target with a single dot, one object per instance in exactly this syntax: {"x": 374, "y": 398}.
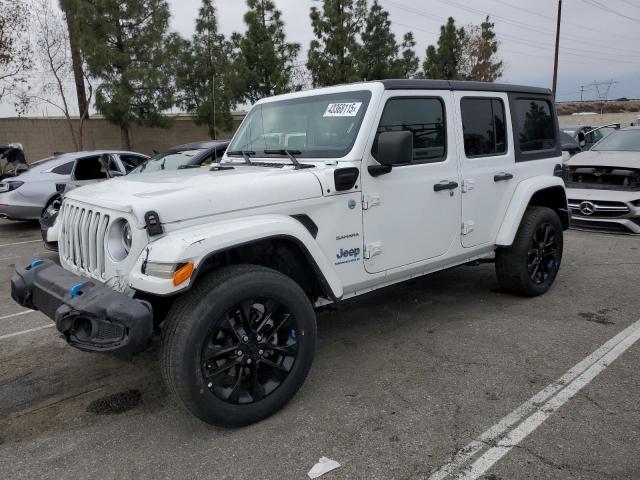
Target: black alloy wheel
{"x": 250, "y": 351}
{"x": 530, "y": 265}
{"x": 238, "y": 345}
{"x": 542, "y": 257}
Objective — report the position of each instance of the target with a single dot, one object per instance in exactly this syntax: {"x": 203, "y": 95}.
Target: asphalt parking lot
{"x": 405, "y": 382}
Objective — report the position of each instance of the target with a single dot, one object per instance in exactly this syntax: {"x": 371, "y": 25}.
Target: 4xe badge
{"x": 347, "y": 256}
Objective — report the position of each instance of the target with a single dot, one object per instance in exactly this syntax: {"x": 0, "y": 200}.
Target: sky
{"x": 599, "y": 42}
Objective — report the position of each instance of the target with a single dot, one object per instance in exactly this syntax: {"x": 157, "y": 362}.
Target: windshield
{"x": 620, "y": 141}
{"x": 168, "y": 161}
{"x": 316, "y": 126}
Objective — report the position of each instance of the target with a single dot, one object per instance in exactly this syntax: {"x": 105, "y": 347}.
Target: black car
{"x": 189, "y": 155}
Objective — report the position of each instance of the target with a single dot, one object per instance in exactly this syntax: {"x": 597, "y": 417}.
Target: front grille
{"x": 610, "y": 227}
{"x": 601, "y": 209}
{"x": 82, "y": 238}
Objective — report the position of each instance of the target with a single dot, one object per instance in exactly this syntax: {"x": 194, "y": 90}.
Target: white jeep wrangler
{"x": 322, "y": 195}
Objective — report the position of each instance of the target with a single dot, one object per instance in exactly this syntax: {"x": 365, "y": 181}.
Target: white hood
{"x": 186, "y": 194}
{"x": 596, "y": 158}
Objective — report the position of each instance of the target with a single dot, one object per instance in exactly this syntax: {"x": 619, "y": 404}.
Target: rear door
{"x": 488, "y": 172}
{"x": 412, "y": 213}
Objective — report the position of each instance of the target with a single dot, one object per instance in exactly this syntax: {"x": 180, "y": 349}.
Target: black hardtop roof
{"x": 419, "y": 84}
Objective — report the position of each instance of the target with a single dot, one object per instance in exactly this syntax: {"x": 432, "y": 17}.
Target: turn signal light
{"x": 183, "y": 274}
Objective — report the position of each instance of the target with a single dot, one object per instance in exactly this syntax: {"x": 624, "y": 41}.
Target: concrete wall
{"x": 40, "y": 137}
{"x": 596, "y": 120}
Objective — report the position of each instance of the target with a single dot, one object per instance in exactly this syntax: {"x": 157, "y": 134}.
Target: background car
{"x": 587, "y": 136}
{"x": 189, "y": 155}
{"x": 569, "y": 146}
{"x": 24, "y": 196}
{"x": 603, "y": 184}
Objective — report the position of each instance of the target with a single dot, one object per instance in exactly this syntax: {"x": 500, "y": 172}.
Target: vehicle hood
{"x": 181, "y": 195}
{"x": 594, "y": 158}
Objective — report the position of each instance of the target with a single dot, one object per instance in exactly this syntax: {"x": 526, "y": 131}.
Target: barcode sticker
{"x": 342, "y": 109}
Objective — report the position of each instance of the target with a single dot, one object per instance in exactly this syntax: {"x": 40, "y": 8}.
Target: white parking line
{"x": 536, "y": 410}
{"x": 24, "y": 312}
{"x": 19, "y": 243}
{"x": 27, "y": 331}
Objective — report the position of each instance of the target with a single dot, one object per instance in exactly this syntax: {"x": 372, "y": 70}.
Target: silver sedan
{"x": 24, "y": 196}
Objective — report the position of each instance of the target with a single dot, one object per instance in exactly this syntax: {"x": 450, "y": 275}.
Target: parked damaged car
{"x": 22, "y": 197}
{"x": 603, "y": 184}
{"x": 587, "y": 136}
{"x": 190, "y": 155}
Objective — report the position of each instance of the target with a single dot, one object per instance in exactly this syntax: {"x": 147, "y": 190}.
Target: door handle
{"x": 445, "y": 185}
{"x": 502, "y": 176}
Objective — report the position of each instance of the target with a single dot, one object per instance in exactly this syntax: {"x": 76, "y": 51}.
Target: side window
{"x": 424, "y": 118}
{"x": 536, "y": 128}
{"x": 90, "y": 168}
{"x": 483, "y": 126}
{"x": 129, "y": 162}
{"x": 64, "y": 169}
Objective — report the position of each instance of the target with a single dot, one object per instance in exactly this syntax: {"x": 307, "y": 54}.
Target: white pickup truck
{"x": 322, "y": 195}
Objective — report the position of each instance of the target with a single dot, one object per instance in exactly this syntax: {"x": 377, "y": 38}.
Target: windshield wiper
{"x": 245, "y": 154}
{"x": 290, "y": 153}
{"x": 184, "y": 167}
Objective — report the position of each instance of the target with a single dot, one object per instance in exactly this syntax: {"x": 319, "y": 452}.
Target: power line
{"x": 527, "y": 42}
{"x": 565, "y": 22}
{"x": 595, "y": 3}
{"x": 512, "y": 23}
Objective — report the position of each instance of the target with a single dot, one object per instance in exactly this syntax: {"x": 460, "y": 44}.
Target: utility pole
{"x": 581, "y": 91}
{"x": 555, "y": 62}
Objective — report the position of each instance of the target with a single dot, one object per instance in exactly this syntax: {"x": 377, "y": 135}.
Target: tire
{"x": 516, "y": 265}
{"x": 262, "y": 359}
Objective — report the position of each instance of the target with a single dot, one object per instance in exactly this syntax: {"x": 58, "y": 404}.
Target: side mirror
{"x": 394, "y": 148}
{"x": 582, "y": 140}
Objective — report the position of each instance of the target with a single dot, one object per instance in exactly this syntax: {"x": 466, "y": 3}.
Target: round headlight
{"x": 119, "y": 239}
{"x": 126, "y": 236}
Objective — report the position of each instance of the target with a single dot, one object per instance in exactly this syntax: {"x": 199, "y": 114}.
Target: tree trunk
{"x": 76, "y": 59}
{"x": 125, "y": 140}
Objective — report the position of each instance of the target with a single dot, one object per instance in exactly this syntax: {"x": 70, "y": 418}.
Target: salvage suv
{"x": 322, "y": 195}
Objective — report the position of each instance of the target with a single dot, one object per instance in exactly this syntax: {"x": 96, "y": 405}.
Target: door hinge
{"x": 468, "y": 227}
{"x": 372, "y": 249}
{"x": 370, "y": 201}
{"x": 467, "y": 185}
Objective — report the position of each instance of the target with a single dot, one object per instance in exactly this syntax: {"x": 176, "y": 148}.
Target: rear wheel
{"x": 529, "y": 266}
{"x": 238, "y": 346}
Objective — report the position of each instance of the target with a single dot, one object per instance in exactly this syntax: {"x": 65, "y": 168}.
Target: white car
{"x": 322, "y": 195}
{"x": 603, "y": 184}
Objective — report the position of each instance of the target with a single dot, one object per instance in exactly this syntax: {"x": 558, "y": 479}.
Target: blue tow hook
{"x": 35, "y": 262}
{"x": 75, "y": 290}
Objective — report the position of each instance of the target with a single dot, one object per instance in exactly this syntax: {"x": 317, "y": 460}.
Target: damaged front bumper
{"x": 91, "y": 317}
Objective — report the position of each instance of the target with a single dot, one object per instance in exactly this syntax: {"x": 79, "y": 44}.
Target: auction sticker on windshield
{"x": 342, "y": 109}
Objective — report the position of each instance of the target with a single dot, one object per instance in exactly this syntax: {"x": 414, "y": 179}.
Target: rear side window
{"x": 424, "y": 118}
{"x": 483, "y": 126}
{"x": 535, "y": 125}
{"x": 64, "y": 169}
{"x": 129, "y": 162}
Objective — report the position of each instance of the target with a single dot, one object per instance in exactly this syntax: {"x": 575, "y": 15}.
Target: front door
{"x": 412, "y": 213}
{"x": 488, "y": 169}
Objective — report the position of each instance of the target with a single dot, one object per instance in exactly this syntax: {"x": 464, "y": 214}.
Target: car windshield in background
{"x": 316, "y": 126}
{"x": 168, "y": 161}
{"x": 620, "y": 141}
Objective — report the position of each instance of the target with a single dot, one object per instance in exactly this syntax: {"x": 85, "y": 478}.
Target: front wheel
{"x": 238, "y": 346}
{"x": 530, "y": 265}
